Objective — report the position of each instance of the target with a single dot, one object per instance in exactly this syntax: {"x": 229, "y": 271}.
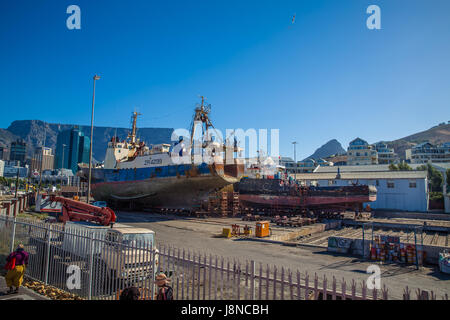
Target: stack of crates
{"x": 213, "y": 204}
{"x": 235, "y": 204}
{"x": 224, "y": 203}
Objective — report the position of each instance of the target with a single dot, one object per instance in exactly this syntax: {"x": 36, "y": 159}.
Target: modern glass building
{"x": 72, "y": 148}
{"x": 18, "y": 151}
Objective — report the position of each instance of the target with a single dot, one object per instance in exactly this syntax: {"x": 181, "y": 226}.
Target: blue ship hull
{"x": 173, "y": 186}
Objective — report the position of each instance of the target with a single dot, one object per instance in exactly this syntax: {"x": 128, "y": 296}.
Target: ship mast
{"x": 201, "y": 115}
{"x": 132, "y": 135}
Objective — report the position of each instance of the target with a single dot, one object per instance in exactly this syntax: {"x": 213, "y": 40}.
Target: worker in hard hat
{"x": 15, "y": 264}
{"x": 165, "y": 291}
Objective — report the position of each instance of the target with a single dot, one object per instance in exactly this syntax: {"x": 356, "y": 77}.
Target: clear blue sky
{"x": 325, "y": 76}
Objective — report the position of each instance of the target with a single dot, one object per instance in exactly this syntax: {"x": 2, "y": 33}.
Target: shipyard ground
{"x": 201, "y": 235}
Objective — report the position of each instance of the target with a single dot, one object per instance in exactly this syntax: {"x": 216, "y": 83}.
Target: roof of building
{"x": 307, "y": 160}
{"x": 363, "y": 175}
{"x": 360, "y": 168}
{"x": 444, "y": 166}
{"x": 423, "y": 144}
{"x": 358, "y": 141}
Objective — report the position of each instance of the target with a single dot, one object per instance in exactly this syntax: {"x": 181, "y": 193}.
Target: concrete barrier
{"x": 393, "y": 225}
{"x": 355, "y": 247}
{"x": 306, "y": 231}
{"x": 412, "y": 215}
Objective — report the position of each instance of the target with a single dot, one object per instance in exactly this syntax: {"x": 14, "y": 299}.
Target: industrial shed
{"x": 396, "y": 190}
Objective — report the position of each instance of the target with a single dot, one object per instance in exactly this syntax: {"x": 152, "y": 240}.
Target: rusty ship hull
{"x": 270, "y": 193}
{"x": 171, "y": 186}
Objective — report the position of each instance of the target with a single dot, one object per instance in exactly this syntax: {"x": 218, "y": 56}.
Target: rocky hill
{"x": 33, "y": 131}
{"x": 328, "y": 149}
{"x": 435, "y": 135}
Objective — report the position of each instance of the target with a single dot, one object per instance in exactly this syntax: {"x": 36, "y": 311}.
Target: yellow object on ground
{"x": 262, "y": 229}
{"x": 15, "y": 277}
{"x": 226, "y": 232}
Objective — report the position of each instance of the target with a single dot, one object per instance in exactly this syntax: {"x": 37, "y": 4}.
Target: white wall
{"x": 401, "y": 197}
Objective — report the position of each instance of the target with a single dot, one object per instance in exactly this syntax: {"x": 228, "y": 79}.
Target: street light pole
{"x": 96, "y": 77}
{"x": 17, "y": 183}
{"x": 295, "y": 156}
{"x": 62, "y": 162}
{"x": 42, "y": 162}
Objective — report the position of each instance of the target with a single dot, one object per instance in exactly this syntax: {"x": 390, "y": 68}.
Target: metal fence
{"x": 100, "y": 268}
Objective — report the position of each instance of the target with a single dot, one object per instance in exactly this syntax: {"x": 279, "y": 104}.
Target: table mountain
{"x": 33, "y": 131}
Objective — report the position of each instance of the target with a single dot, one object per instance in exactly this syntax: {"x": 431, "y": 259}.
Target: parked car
{"x": 101, "y": 204}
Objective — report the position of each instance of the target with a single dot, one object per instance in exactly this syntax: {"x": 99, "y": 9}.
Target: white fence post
{"x": 47, "y": 256}
{"x": 252, "y": 279}
{"x": 91, "y": 262}
{"x": 13, "y": 236}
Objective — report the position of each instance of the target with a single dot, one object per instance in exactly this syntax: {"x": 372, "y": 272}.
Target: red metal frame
{"x": 73, "y": 210}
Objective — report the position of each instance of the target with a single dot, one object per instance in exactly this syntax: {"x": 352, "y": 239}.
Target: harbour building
{"x": 385, "y": 155}
{"x": 18, "y": 151}
{"x": 72, "y": 148}
{"x": 359, "y": 152}
{"x": 42, "y": 158}
{"x": 428, "y": 153}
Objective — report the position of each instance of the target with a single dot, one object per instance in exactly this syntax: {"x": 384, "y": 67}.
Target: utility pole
{"x": 96, "y": 77}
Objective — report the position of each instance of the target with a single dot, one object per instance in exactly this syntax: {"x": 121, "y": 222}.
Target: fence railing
{"x": 100, "y": 267}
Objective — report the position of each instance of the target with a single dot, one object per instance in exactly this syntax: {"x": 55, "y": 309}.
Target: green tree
{"x": 404, "y": 167}
{"x": 435, "y": 178}
{"x": 448, "y": 179}
{"x": 393, "y": 167}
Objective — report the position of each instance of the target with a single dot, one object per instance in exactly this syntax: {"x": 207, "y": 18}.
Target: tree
{"x": 404, "y": 167}
{"x": 448, "y": 179}
{"x": 434, "y": 176}
{"x": 393, "y": 167}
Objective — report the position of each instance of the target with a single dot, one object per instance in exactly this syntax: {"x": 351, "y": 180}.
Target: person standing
{"x": 17, "y": 261}
{"x": 165, "y": 291}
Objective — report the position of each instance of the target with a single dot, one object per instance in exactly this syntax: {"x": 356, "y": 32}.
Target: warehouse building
{"x": 396, "y": 190}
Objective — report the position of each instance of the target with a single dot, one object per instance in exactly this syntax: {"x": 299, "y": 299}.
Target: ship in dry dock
{"x": 280, "y": 192}
{"x": 148, "y": 176}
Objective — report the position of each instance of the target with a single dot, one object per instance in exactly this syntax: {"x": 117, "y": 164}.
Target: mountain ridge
{"x": 328, "y": 149}
{"x": 33, "y": 133}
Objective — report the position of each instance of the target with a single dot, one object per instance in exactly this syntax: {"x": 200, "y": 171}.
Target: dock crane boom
{"x": 73, "y": 210}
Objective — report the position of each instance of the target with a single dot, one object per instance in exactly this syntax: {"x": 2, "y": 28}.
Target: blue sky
{"x": 325, "y": 76}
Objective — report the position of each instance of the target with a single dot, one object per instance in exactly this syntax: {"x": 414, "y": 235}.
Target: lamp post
{"x": 42, "y": 162}
{"x": 295, "y": 157}
{"x": 96, "y": 77}
{"x": 62, "y": 162}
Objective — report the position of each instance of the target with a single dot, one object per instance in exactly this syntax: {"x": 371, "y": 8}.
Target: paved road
{"x": 24, "y": 293}
{"x": 200, "y": 237}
